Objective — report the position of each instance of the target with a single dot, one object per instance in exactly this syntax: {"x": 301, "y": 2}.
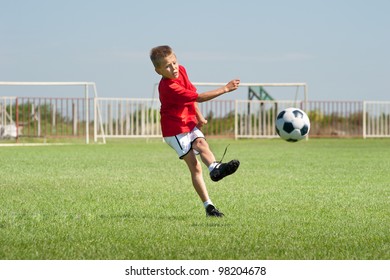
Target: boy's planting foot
{"x": 211, "y": 211}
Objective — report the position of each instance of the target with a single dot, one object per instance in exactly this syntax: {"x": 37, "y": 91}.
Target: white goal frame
{"x": 86, "y": 86}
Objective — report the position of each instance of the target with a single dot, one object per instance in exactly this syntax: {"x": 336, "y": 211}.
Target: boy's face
{"x": 169, "y": 67}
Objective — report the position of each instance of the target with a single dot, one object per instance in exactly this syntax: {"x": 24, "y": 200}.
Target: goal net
{"x": 39, "y": 111}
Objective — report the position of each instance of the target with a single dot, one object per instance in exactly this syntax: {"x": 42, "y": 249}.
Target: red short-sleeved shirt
{"x": 177, "y": 97}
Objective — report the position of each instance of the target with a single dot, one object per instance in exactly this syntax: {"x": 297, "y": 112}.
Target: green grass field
{"x": 320, "y": 199}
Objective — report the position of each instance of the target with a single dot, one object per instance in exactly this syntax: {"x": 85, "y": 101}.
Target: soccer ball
{"x": 292, "y": 124}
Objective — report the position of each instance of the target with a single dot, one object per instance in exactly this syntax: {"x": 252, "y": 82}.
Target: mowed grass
{"x": 133, "y": 199}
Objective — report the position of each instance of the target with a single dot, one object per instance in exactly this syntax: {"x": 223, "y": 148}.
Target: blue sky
{"x": 339, "y": 48}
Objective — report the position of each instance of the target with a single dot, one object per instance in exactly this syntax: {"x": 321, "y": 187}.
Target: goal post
{"x": 86, "y": 86}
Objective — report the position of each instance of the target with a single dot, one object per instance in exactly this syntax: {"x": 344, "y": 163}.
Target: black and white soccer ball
{"x": 292, "y": 124}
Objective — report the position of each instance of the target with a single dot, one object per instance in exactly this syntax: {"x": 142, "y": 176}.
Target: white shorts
{"x": 182, "y": 143}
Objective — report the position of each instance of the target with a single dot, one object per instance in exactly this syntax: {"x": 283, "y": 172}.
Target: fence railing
{"x": 127, "y": 118}
{"x": 335, "y": 118}
{"x": 376, "y": 119}
{"x": 41, "y": 117}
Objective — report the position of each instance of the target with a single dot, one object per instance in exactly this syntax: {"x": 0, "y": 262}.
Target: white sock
{"x": 212, "y": 166}
{"x": 207, "y": 203}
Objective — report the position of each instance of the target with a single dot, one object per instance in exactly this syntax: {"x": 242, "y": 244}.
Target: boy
{"x": 181, "y": 120}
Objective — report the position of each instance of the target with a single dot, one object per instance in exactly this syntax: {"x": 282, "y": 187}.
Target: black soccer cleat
{"x": 211, "y": 211}
{"x": 224, "y": 169}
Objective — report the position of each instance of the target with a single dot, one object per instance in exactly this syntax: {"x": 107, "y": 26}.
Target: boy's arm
{"x": 206, "y": 96}
{"x": 201, "y": 120}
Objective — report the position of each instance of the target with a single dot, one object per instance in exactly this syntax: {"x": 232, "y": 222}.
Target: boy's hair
{"x": 159, "y": 53}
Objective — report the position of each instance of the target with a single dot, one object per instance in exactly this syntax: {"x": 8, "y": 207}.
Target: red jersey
{"x": 177, "y": 97}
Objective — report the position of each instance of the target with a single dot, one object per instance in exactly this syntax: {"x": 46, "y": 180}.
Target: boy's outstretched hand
{"x": 232, "y": 85}
{"x": 208, "y": 95}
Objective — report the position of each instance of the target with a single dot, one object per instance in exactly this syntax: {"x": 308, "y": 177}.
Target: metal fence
{"x": 335, "y": 118}
{"x": 256, "y": 119}
{"x": 39, "y": 117}
{"x": 376, "y": 119}
{"x": 127, "y": 118}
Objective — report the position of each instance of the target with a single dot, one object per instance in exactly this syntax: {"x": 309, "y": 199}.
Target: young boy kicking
{"x": 181, "y": 120}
